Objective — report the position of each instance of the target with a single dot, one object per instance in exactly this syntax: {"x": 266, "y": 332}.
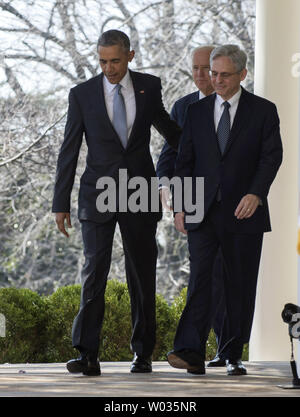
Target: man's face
{"x": 225, "y": 78}
{"x": 114, "y": 62}
{"x": 200, "y": 70}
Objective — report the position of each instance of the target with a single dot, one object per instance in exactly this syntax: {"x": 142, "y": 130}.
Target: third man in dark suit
{"x": 166, "y": 168}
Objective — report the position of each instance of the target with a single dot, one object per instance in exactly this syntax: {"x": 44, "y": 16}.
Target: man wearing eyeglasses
{"x": 166, "y": 167}
{"x": 231, "y": 139}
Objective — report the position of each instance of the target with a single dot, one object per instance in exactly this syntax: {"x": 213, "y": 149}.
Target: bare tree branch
{"x": 28, "y": 148}
{"x": 51, "y": 44}
{"x": 13, "y": 82}
{"x": 53, "y": 64}
{"x": 33, "y": 29}
{"x": 134, "y": 35}
{"x": 70, "y": 39}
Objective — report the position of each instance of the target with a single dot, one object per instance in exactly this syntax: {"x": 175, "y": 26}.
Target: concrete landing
{"x": 53, "y": 380}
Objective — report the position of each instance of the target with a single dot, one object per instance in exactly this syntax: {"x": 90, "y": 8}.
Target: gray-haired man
{"x": 166, "y": 168}
{"x": 238, "y": 151}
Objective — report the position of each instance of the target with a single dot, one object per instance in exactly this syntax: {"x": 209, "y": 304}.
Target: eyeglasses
{"x": 225, "y": 75}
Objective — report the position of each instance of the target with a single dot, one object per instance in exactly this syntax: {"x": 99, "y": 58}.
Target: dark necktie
{"x": 119, "y": 115}
{"x": 224, "y": 127}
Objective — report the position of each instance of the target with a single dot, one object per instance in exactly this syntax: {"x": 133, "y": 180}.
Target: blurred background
{"x": 47, "y": 47}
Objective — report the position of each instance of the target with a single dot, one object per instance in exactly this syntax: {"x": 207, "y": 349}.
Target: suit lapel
{"x": 240, "y": 119}
{"x": 101, "y": 100}
{"x": 101, "y": 105}
{"x": 194, "y": 97}
{"x": 211, "y": 122}
{"x": 140, "y": 92}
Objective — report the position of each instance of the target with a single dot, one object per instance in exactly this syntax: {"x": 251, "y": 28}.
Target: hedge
{"x": 38, "y": 328}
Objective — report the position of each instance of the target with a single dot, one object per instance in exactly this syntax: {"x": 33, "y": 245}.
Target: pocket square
{"x": 142, "y": 91}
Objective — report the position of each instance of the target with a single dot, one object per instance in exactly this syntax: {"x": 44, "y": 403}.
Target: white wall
{"x": 277, "y": 40}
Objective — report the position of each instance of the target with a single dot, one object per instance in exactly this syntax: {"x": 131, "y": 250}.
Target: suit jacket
{"x": 87, "y": 115}
{"x": 167, "y": 158}
{"x": 249, "y": 164}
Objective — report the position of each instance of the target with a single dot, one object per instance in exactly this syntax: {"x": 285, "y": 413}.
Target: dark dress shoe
{"x": 85, "y": 366}
{"x": 186, "y": 359}
{"x": 216, "y": 362}
{"x": 235, "y": 368}
{"x": 140, "y": 364}
{"x": 197, "y": 371}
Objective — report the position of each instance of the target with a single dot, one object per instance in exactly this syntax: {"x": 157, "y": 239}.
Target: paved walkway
{"x": 53, "y": 380}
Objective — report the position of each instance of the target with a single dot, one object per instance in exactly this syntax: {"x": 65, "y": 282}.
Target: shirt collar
{"x": 124, "y": 82}
{"x": 232, "y": 101}
{"x": 201, "y": 95}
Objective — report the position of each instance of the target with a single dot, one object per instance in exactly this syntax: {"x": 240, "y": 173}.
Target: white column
{"x": 277, "y": 41}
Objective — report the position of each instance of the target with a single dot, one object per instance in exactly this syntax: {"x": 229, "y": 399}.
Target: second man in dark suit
{"x": 232, "y": 140}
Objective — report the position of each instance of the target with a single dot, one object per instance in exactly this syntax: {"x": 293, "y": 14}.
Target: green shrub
{"x": 116, "y": 331}
{"x": 26, "y": 318}
{"x": 165, "y": 329}
{"x": 63, "y": 305}
{"x": 245, "y": 355}
{"x": 38, "y": 329}
{"x": 116, "y": 328}
{"x": 178, "y": 305}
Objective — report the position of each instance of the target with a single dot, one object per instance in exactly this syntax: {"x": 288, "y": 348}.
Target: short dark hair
{"x": 114, "y": 37}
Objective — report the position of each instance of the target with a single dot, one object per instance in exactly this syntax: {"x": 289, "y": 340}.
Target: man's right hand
{"x": 179, "y": 222}
{"x": 60, "y": 221}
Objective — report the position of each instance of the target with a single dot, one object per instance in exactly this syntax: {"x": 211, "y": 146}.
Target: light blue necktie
{"x": 119, "y": 115}
{"x": 223, "y": 130}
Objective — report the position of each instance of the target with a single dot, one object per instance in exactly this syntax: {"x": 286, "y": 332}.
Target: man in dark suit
{"x": 201, "y": 78}
{"x": 115, "y": 111}
{"x": 232, "y": 140}
{"x": 165, "y": 168}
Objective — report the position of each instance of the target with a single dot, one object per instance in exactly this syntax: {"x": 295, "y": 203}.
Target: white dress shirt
{"x": 129, "y": 98}
{"x": 219, "y": 108}
{"x": 201, "y": 95}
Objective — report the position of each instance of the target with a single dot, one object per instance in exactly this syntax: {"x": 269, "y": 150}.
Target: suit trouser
{"x": 140, "y": 250}
{"x": 241, "y": 257}
{"x": 219, "y": 321}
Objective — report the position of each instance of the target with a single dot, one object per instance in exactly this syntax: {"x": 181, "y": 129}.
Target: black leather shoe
{"x": 85, "y": 366}
{"x": 186, "y": 359}
{"x": 140, "y": 364}
{"x": 235, "y": 367}
{"x": 197, "y": 371}
{"x": 216, "y": 362}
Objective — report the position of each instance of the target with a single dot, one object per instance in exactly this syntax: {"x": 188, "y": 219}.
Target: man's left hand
{"x": 247, "y": 206}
